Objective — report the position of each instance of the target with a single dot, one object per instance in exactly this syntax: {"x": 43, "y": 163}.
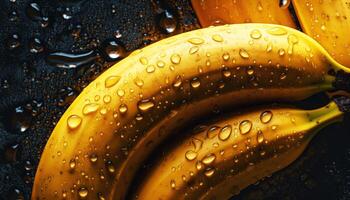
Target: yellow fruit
{"x": 328, "y": 22}
{"x": 99, "y": 143}
{"x": 218, "y": 167}
{"x": 219, "y": 12}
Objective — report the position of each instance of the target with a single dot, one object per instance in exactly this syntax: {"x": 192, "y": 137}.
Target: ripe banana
{"x": 118, "y": 119}
{"x": 328, "y": 22}
{"x": 219, "y": 12}
{"x": 227, "y": 156}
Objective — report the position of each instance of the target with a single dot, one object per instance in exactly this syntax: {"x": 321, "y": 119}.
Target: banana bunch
{"x": 101, "y": 140}
{"x": 223, "y": 158}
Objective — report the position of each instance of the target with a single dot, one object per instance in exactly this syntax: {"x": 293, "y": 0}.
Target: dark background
{"x": 35, "y": 88}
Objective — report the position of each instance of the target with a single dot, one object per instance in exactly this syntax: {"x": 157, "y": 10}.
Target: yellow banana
{"x": 328, "y": 22}
{"x": 118, "y": 119}
{"x": 233, "y": 153}
{"x": 219, "y": 12}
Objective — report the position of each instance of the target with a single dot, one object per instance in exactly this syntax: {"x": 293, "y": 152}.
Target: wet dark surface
{"x": 50, "y": 50}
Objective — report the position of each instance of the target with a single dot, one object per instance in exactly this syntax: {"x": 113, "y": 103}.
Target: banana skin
{"x": 229, "y": 155}
{"x": 119, "y": 118}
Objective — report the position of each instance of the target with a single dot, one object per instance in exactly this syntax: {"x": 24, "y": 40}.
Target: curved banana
{"x": 231, "y": 154}
{"x": 111, "y": 127}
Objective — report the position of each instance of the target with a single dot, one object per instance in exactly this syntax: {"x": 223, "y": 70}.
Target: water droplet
{"x": 107, "y": 99}
{"x": 250, "y": 72}
{"x": 259, "y": 6}
{"x": 123, "y": 108}
{"x": 145, "y": 104}
{"x": 196, "y": 41}
{"x": 113, "y": 50}
{"x": 292, "y": 39}
{"x": 167, "y": 22}
{"x": 255, "y": 34}
{"x": 226, "y": 56}
{"x": 69, "y": 60}
{"x": 209, "y": 159}
{"x": 323, "y": 27}
{"x": 283, "y": 76}
{"x": 197, "y": 144}
{"x": 217, "y": 38}
{"x": 121, "y": 92}
{"x": 269, "y": 47}
{"x": 175, "y": 58}
{"x": 178, "y": 81}
{"x": 243, "y": 53}
{"x": 226, "y": 72}
{"x": 209, "y": 172}
{"x": 33, "y": 11}
{"x": 139, "y": 82}
{"x": 225, "y": 132}
{"x": 281, "y": 52}
{"x": 284, "y": 4}
{"x": 160, "y": 64}
{"x": 72, "y": 164}
{"x": 190, "y": 155}
{"x": 93, "y": 158}
{"x": 83, "y": 192}
{"x": 172, "y": 184}
{"x": 110, "y": 167}
{"x": 13, "y": 42}
{"x": 199, "y": 165}
{"x": 195, "y": 82}
{"x": 260, "y": 136}
{"x": 245, "y": 126}
{"x": 266, "y": 117}
{"x": 150, "y": 69}
{"x": 194, "y": 50}
{"x": 74, "y": 121}
{"x": 90, "y": 108}
{"x": 111, "y": 81}
{"x": 213, "y": 131}
{"x": 274, "y": 127}
{"x": 277, "y": 31}
{"x": 35, "y": 46}
{"x": 143, "y": 60}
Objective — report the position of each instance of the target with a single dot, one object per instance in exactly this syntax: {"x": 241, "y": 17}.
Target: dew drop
{"x": 284, "y": 4}
{"x": 209, "y": 172}
{"x": 226, "y": 72}
{"x": 260, "y": 136}
{"x": 209, "y": 159}
{"x": 245, "y": 126}
{"x": 90, "y": 108}
{"x": 110, "y": 167}
{"x": 217, "y": 38}
{"x": 72, "y": 164}
{"x": 123, "y": 108}
{"x": 167, "y": 22}
{"x": 277, "y": 31}
{"x": 178, "y": 81}
{"x": 150, "y": 69}
{"x": 121, "y": 92}
{"x": 74, "y": 121}
{"x": 225, "y": 132}
{"x": 175, "y": 58}
{"x": 93, "y": 158}
{"x": 255, "y": 34}
{"x": 113, "y": 50}
{"x": 145, "y": 104}
{"x": 269, "y": 47}
{"x": 139, "y": 82}
{"x": 226, "y": 56}
{"x": 190, "y": 155}
{"x": 83, "y": 192}
{"x": 197, "y": 144}
{"x": 143, "y": 60}
{"x": 111, "y": 81}
{"x": 107, "y": 99}
{"x": 281, "y": 52}
{"x": 196, "y": 41}
{"x": 160, "y": 64}
{"x": 195, "y": 83}
{"x": 199, "y": 165}
{"x": 266, "y": 117}
{"x": 243, "y": 53}
{"x": 172, "y": 184}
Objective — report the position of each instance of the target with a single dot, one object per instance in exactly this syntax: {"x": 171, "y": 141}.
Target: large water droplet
{"x": 178, "y": 81}
{"x": 172, "y": 184}
{"x": 209, "y": 172}
{"x": 139, "y": 82}
{"x": 145, "y": 104}
{"x": 190, "y": 155}
{"x": 111, "y": 81}
{"x": 209, "y": 159}
{"x": 35, "y": 46}
{"x": 74, "y": 121}
{"x": 195, "y": 82}
{"x": 266, "y": 117}
{"x": 243, "y": 53}
{"x": 225, "y": 132}
{"x": 113, "y": 50}
{"x": 90, "y": 108}
{"x": 175, "y": 58}
{"x": 245, "y": 126}
{"x": 167, "y": 22}
{"x": 110, "y": 166}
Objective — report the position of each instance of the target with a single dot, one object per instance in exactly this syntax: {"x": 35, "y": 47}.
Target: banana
{"x": 219, "y": 12}
{"x": 119, "y": 118}
{"x": 328, "y": 22}
{"x": 229, "y": 155}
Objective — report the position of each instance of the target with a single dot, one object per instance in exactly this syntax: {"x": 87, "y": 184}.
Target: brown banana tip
{"x": 343, "y": 103}
{"x": 342, "y": 81}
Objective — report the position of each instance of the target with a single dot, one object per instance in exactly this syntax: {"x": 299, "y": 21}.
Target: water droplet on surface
{"x": 110, "y": 167}
{"x": 226, "y": 72}
{"x": 199, "y": 165}
{"x": 277, "y": 31}
{"x": 269, "y": 47}
{"x": 33, "y": 11}
{"x": 196, "y": 41}
{"x": 69, "y": 60}
{"x": 175, "y": 58}
{"x": 197, "y": 144}
{"x": 209, "y": 172}
{"x": 90, "y": 108}
{"x": 217, "y": 38}
{"x": 160, "y": 64}
{"x": 123, "y": 108}
{"x": 255, "y": 34}
{"x": 111, "y": 81}
{"x": 213, "y": 131}
{"x": 190, "y": 155}
{"x": 250, "y": 71}
{"x": 83, "y": 192}
{"x": 281, "y": 52}
{"x": 193, "y": 50}
{"x": 225, "y": 132}
{"x": 74, "y": 121}
{"x": 209, "y": 159}
{"x": 145, "y": 104}
{"x": 226, "y": 56}
{"x": 245, "y": 127}
{"x": 35, "y": 46}
{"x": 243, "y": 53}
{"x": 72, "y": 164}
{"x": 93, "y": 158}
{"x": 107, "y": 99}
{"x": 195, "y": 82}
{"x": 167, "y": 22}
{"x": 266, "y": 117}
{"x": 172, "y": 184}
{"x": 260, "y": 136}
{"x": 139, "y": 82}
{"x": 113, "y": 50}
{"x": 143, "y": 60}
{"x": 120, "y": 92}
{"x": 178, "y": 81}
{"x": 284, "y": 4}
{"x": 259, "y": 6}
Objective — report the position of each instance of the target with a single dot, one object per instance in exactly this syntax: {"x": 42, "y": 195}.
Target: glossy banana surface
{"x": 118, "y": 119}
{"x": 227, "y": 156}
